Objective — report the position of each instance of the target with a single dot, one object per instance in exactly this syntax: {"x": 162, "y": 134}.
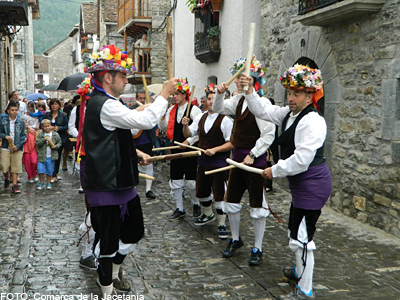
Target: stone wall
{"x": 158, "y": 40}
{"x": 23, "y": 61}
{"x": 360, "y": 62}
{"x": 60, "y": 61}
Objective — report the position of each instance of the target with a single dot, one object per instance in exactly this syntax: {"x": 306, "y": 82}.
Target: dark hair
{"x": 12, "y": 103}
{"x": 41, "y": 105}
{"x": 272, "y": 101}
{"x": 30, "y": 103}
{"x": 52, "y": 101}
{"x": 141, "y": 92}
{"x": 75, "y": 99}
{"x": 113, "y": 73}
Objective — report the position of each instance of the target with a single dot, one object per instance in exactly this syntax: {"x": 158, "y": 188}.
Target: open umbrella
{"x": 51, "y": 87}
{"x": 36, "y": 96}
{"x": 71, "y": 82}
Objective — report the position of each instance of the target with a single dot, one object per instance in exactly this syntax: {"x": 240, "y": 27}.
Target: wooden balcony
{"x": 14, "y": 12}
{"x": 133, "y": 16}
{"x": 142, "y": 61}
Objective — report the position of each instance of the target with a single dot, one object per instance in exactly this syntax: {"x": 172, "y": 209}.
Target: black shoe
{"x": 150, "y": 195}
{"x": 15, "y": 189}
{"x": 177, "y": 214}
{"x": 290, "y": 274}
{"x": 222, "y": 232}
{"x": 256, "y": 257}
{"x": 232, "y": 246}
{"x": 88, "y": 263}
{"x": 6, "y": 184}
{"x": 196, "y": 211}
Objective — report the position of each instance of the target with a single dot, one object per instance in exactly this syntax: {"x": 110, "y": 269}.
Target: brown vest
{"x": 214, "y": 137}
{"x": 245, "y": 131}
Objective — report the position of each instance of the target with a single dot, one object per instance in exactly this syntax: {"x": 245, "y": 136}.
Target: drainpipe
{"x": 12, "y": 76}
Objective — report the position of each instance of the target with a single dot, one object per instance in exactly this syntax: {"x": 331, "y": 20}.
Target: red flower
{"x": 118, "y": 62}
{"x": 124, "y": 56}
{"x": 84, "y": 69}
{"x": 112, "y": 49}
{"x": 180, "y": 88}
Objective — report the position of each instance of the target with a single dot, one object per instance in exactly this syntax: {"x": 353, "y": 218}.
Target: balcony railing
{"x": 14, "y": 12}
{"x": 306, "y": 6}
{"x": 142, "y": 60}
{"x": 132, "y": 9}
{"x": 207, "y": 49}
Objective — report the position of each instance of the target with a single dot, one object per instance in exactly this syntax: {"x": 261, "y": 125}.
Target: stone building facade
{"x": 360, "y": 62}
{"x": 158, "y": 40}
{"x": 60, "y": 63}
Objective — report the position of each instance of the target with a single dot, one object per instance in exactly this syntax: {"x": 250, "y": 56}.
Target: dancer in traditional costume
{"x": 251, "y": 138}
{"x": 181, "y": 170}
{"x": 302, "y": 162}
{"x": 111, "y": 163}
{"x": 214, "y": 131}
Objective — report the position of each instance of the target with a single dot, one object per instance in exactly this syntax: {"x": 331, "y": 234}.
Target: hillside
{"x": 57, "y": 18}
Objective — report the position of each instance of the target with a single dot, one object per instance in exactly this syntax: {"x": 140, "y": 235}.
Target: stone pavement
{"x": 178, "y": 260}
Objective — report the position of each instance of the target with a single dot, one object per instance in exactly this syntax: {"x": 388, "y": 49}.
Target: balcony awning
{"x": 14, "y": 13}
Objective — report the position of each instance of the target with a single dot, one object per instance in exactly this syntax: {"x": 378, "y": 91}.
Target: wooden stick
{"x": 174, "y": 156}
{"x": 244, "y": 167}
{"x": 219, "y": 170}
{"x": 188, "y": 146}
{"x": 141, "y": 175}
{"x": 50, "y": 143}
{"x": 190, "y": 101}
{"x": 237, "y": 73}
{"x": 139, "y": 103}
{"x": 250, "y": 47}
{"x": 146, "y": 91}
{"x": 165, "y": 148}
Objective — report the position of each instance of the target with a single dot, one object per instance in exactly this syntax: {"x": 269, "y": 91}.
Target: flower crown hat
{"x": 210, "y": 89}
{"x": 183, "y": 87}
{"x": 110, "y": 58}
{"x": 256, "y": 71}
{"x": 303, "y": 78}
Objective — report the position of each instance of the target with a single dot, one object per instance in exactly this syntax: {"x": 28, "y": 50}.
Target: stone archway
{"x": 311, "y": 43}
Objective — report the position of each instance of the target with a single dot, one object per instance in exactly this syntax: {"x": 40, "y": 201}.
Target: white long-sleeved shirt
{"x": 73, "y": 131}
{"x": 309, "y": 136}
{"x": 114, "y": 115}
{"x": 267, "y": 129}
{"x": 226, "y": 125}
{"x": 181, "y": 111}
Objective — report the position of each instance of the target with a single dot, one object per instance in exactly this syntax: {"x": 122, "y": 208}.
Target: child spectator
{"x": 29, "y": 158}
{"x": 40, "y": 113}
{"x": 13, "y": 135}
{"x": 47, "y": 143}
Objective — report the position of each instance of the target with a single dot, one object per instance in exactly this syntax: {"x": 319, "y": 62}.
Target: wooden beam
{"x": 170, "y": 71}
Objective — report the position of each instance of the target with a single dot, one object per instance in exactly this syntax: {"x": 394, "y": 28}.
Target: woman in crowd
{"x": 59, "y": 123}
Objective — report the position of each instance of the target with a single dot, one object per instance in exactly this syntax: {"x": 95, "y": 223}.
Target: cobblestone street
{"x": 178, "y": 260}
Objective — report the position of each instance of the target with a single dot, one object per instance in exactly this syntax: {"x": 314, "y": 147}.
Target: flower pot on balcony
{"x": 217, "y": 5}
{"x": 214, "y": 43}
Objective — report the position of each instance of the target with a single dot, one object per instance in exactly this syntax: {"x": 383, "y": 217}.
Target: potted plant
{"x": 213, "y": 34}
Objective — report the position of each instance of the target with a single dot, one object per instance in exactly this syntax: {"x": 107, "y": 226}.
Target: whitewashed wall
{"x": 235, "y": 18}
